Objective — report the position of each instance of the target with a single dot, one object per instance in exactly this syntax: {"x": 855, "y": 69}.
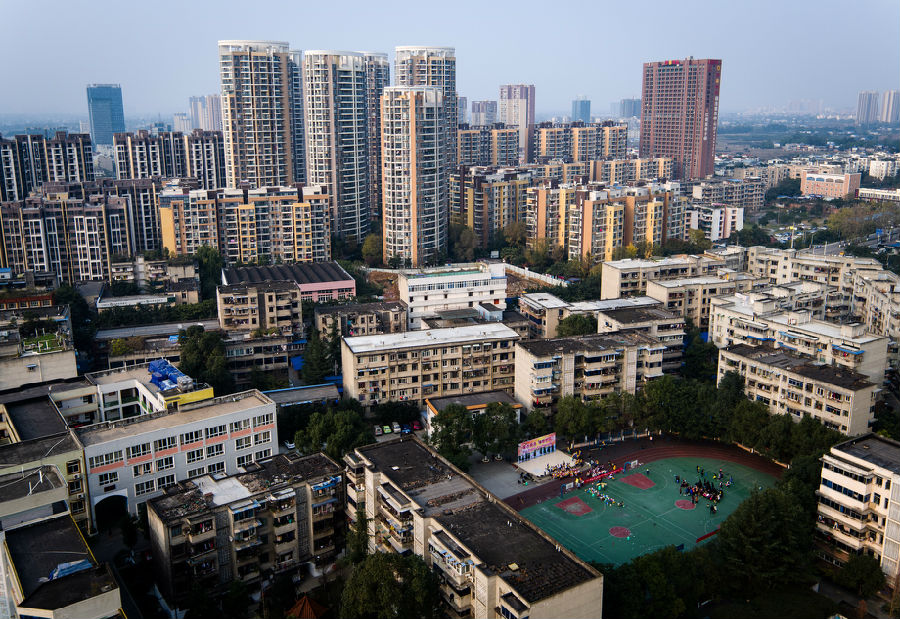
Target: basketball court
{"x": 652, "y": 514}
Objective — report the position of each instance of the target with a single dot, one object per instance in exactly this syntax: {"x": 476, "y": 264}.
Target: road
{"x": 870, "y": 241}
{"x": 170, "y": 328}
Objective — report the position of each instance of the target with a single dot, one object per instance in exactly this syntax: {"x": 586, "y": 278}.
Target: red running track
{"x": 649, "y": 451}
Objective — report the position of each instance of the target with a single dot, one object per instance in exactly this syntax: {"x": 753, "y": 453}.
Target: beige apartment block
{"x": 544, "y": 310}
{"x": 782, "y": 266}
{"x": 659, "y": 323}
{"x": 268, "y": 306}
{"x": 361, "y": 318}
{"x": 622, "y": 278}
{"x": 489, "y": 560}
{"x": 690, "y": 296}
{"x": 415, "y": 365}
{"x": 838, "y": 398}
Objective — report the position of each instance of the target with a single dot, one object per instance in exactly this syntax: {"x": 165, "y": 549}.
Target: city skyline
{"x": 161, "y": 80}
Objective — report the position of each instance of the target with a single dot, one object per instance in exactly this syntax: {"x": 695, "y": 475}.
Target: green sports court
{"x": 650, "y": 517}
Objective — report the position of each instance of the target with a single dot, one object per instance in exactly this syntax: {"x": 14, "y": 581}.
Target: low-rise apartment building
{"x": 362, "y": 318}
{"x": 717, "y": 221}
{"x": 415, "y": 365}
{"x": 276, "y": 515}
{"x": 747, "y": 193}
{"x": 783, "y": 266}
{"x": 878, "y": 195}
{"x": 427, "y": 291}
{"x": 318, "y": 281}
{"x": 755, "y": 318}
{"x": 858, "y": 499}
{"x": 544, "y": 310}
{"x": 658, "y": 323}
{"x": 622, "y": 278}
{"x": 590, "y": 367}
{"x": 690, "y": 296}
{"x": 269, "y": 307}
{"x": 829, "y": 185}
{"x": 489, "y": 560}
{"x": 838, "y": 398}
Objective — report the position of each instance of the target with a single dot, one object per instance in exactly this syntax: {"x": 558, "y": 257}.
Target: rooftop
{"x": 873, "y": 448}
{"x": 671, "y": 261}
{"x": 700, "y": 280}
{"x": 429, "y": 337}
{"x": 362, "y": 308}
{"x": 29, "y": 481}
{"x": 168, "y": 328}
{"x": 528, "y": 560}
{"x": 778, "y": 357}
{"x": 612, "y": 304}
{"x": 17, "y": 454}
{"x": 36, "y": 418}
{"x": 269, "y": 284}
{"x": 473, "y": 399}
{"x": 302, "y": 273}
{"x": 603, "y": 342}
{"x": 631, "y": 315}
{"x": 303, "y": 395}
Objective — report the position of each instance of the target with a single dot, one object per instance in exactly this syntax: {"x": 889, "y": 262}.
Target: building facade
{"x": 621, "y": 278}
{"x": 361, "y": 319}
{"x": 198, "y": 154}
{"x": 484, "y": 113}
{"x": 867, "y": 108}
{"x": 487, "y": 199}
{"x": 841, "y": 186}
{"x": 428, "y": 291}
{"x": 271, "y": 306}
{"x": 106, "y": 113}
{"x": 748, "y": 193}
{"x": 717, "y": 221}
{"x": 28, "y": 161}
{"x": 516, "y": 109}
{"x": 495, "y": 145}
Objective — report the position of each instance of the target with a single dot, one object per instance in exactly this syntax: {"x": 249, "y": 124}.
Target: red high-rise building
{"x": 680, "y": 112}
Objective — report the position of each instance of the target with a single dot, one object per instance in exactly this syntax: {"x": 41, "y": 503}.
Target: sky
{"x": 164, "y": 51}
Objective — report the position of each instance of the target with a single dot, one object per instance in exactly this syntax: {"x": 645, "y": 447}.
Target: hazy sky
{"x": 164, "y": 51}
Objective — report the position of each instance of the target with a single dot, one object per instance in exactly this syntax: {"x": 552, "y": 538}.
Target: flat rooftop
{"x": 29, "y": 481}
{"x": 362, "y": 308}
{"x": 700, "y": 280}
{"x": 527, "y": 559}
{"x": 302, "y": 273}
{"x": 779, "y": 357}
{"x": 36, "y": 418}
{"x": 473, "y": 399}
{"x": 601, "y": 342}
{"x": 268, "y": 285}
{"x": 632, "y": 315}
{"x": 430, "y": 337}
{"x": 878, "y": 450}
{"x": 34, "y": 450}
{"x": 168, "y": 328}
{"x": 641, "y": 263}
{"x": 543, "y": 299}
{"x": 613, "y": 304}
{"x": 303, "y": 395}
{"x": 189, "y": 413}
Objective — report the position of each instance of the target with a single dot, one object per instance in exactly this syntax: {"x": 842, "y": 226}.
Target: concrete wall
{"x": 18, "y": 371}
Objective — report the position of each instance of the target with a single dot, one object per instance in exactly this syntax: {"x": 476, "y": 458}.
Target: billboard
{"x": 545, "y": 443}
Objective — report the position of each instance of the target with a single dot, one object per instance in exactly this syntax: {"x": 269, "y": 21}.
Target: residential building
{"x": 630, "y": 108}
{"x": 484, "y": 113}
{"x": 560, "y": 171}
{"x": 621, "y": 278}
{"x": 51, "y": 572}
{"x": 867, "y": 109}
{"x": 153, "y": 274}
{"x": 855, "y": 501}
{"x": 747, "y": 193}
{"x": 433, "y": 67}
{"x": 269, "y": 306}
{"x": 415, "y": 167}
{"x": 487, "y": 199}
{"x": 206, "y": 112}
{"x": 883, "y": 168}
{"x": 28, "y": 161}
{"x": 414, "y": 365}
{"x": 755, "y": 317}
{"x": 578, "y": 142}
{"x": 106, "y": 112}
{"x": 690, "y": 296}
{"x": 890, "y": 107}
{"x": 337, "y": 136}
{"x": 495, "y": 145}
{"x": 318, "y": 281}
{"x": 462, "y": 105}
{"x": 544, "y": 310}
{"x": 262, "y": 113}
{"x": 416, "y": 501}
{"x": 879, "y": 195}
{"x": 589, "y": 367}
{"x": 841, "y": 186}
{"x": 516, "y": 109}
{"x": 378, "y": 76}
{"x": 717, "y": 221}
{"x": 427, "y": 291}
{"x": 838, "y": 398}
{"x": 680, "y": 114}
{"x": 133, "y": 460}
{"x": 665, "y": 326}
{"x": 475, "y": 403}
{"x": 181, "y": 122}
{"x": 197, "y": 154}
{"x": 26, "y": 359}
{"x": 581, "y": 109}
{"x": 624, "y": 171}
{"x": 273, "y": 517}
{"x": 361, "y": 318}
{"x": 188, "y": 220}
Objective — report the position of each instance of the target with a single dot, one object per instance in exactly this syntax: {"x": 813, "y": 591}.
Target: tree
{"x": 515, "y": 233}
{"x": 390, "y": 586}
{"x": 700, "y": 358}
{"x": 316, "y": 365}
{"x": 203, "y": 359}
{"x": 334, "y": 345}
{"x": 787, "y": 187}
{"x": 698, "y": 239}
{"x": 577, "y": 324}
{"x": 358, "y": 539}
{"x": 537, "y": 256}
{"x": 336, "y": 432}
{"x": 535, "y": 424}
{"x": 201, "y": 605}
{"x": 452, "y": 434}
{"x": 462, "y": 243}
{"x": 572, "y": 418}
{"x": 495, "y": 430}
{"x": 236, "y": 601}
{"x": 210, "y": 270}
{"x": 371, "y": 249}
{"x": 862, "y": 574}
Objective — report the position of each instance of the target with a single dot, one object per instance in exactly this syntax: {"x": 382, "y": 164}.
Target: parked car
{"x": 407, "y": 429}
{"x": 289, "y": 445}
{"x": 378, "y": 431}
{"x": 396, "y": 427}
{"x": 416, "y": 426}
{"x": 387, "y": 429}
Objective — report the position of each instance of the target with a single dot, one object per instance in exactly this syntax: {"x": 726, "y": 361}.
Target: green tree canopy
{"x": 577, "y": 324}
{"x": 535, "y": 424}
{"x": 495, "y": 430}
{"x": 452, "y": 433}
{"x": 863, "y": 575}
{"x": 209, "y": 262}
{"x": 316, "y": 364}
{"x": 335, "y": 432}
{"x": 203, "y": 359}
{"x": 371, "y": 249}
{"x": 390, "y": 586}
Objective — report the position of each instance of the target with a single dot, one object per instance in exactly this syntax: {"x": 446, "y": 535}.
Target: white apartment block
{"x": 135, "y": 459}
{"x": 416, "y": 365}
{"x": 428, "y": 291}
{"x": 622, "y": 278}
{"x": 879, "y": 195}
{"x": 690, "y": 296}
{"x": 882, "y": 168}
{"x": 839, "y": 399}
{"x": 717, "y": 221}
{"x": 755, "y": 318}
{"x": 859, "y": 502}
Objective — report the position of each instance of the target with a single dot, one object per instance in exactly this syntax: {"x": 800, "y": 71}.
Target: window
{"x": 73, "y": 467}
{"x": 105, "y": 459}
{"x": 244, "y": 460}
{"x": 165, "y": 443}
{"x": 194, "y": 455}
{"x": 145, "y": 487}
{"x": 77, "y": 507}
{"x": 216, "y": 431}
{"x": 262, "y": 437}
{"x": 242, "y": 443}
{"x": 243, "y": 424}
{"x": 191, "y": 437}
{"x": 164, "y": 464}
{"x": 262, "y": 420}
{"x": 136, "y": 451}
{"x": 265, "y": 453}
{"x": 216, "y": 467}
{"x": 196, "y": 472}
{"x": 75, "y": 486}
{"x": 104, "y": 479}
{"x": 142, "y": 469}
{"x": 215, "y": 450}
{"x": 166, "y": 481}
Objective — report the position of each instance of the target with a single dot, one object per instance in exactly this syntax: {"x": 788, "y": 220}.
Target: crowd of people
{"x": 596, "y": 492}
{"x": 712, "y": 490}
{"x": 560, "y": 471}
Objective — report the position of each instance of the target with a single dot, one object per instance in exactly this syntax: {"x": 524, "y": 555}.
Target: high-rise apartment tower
{"x": 517, "y": 110}
{"x": 378, "y": 76}
{"x": 106, "y": 112}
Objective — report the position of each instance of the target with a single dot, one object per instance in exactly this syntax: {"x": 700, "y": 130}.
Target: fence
{"x": 539, "y": 277}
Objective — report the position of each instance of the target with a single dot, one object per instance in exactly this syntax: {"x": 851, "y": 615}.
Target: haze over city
{"x": 772, "y": 54}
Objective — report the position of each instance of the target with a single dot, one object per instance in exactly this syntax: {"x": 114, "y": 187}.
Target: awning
{"x": 847, "y": 350}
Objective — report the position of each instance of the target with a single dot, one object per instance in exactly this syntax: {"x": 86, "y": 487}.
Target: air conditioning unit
{"x": 79, "y": 496}
{"x": 76, "y": 476}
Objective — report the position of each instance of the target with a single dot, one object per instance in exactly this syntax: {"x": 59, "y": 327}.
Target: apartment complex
{"x": 414, "y": 171}
{"x": 277, "y": 514}
{"x": 544, "y": 310}
{"x": 28, "y": 161}
{"x": 105, "y": 111}
{"x": 378, "y": 76}
{"x": 747, "y": 193}
{"x": 487, "y": 199}
{"x": 318, "y": 281}
{"x": 661, "y": 324}
{"x": 690, "y": 296}
{"x": 427, "y": 291}
{"x": 890, "y": 106}
{"x": 589, "y": 367}
{"x": 271, "y": 306}
{"x": 867, "y": 109}
{"x": 416, "y": 501}
{"x": 838, "y": 398}
{"x": 717, "y": 221}
{"x": 262, "y": 113}
{"x": 484, "y": 113}
{"x": 680, "y": 114}
{"x": 199, "y": 155}
{"x": 361, "y": 318}
{"x": 578, "y": 142}
{"x": 841, "y": 186}
{"x": 415, "y": 365}
{"x": 516, "y": 109}
{"x": 622, "y": 278}
{"x": 206, "y": 112}
{"x": 32, "y": 358}
{"x": 487, "y": 145}
{"x": 620, "y": 171}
